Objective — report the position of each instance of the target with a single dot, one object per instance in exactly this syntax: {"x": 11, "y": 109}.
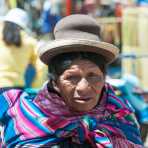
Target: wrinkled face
{"x": 81, "y": 85}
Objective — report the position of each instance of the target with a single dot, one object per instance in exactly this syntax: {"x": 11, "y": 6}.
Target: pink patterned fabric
{"x": 123, "y": 143}
{"x": 53, "y": 104}
{"x": 54, "y": 107}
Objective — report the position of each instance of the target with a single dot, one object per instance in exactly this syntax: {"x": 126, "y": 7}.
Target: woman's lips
{"x": 83, "y": 99}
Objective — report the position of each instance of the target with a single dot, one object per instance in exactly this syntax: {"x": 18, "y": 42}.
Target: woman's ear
{"x": 55, "y": 86}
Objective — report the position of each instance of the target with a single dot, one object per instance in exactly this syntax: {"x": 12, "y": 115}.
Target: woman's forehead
{"x": 83, "y": 64}
{"x": 78, "y": 61}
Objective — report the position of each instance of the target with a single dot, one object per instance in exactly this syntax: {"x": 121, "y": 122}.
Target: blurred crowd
{"x": 45, "y": 13}
{"x": 42, "y": 17}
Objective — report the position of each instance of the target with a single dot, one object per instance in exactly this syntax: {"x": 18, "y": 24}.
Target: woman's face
{"x": 80, "y": 85}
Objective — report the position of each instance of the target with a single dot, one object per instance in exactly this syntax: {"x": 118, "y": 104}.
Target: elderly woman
{"x": 75, "y": 108}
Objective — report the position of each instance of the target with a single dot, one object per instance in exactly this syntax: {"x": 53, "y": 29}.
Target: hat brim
{"x": 53, "y": 48}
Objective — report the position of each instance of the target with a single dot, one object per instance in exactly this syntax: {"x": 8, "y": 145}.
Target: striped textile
{"x": 32, "y": 119}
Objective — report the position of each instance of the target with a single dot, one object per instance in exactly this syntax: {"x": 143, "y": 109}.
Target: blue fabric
{"x": 4, "y": 105}
{"x": 136, "y": 101}
{"x": 23, "y": 108}
{"x": 142, "y": 2}
{"x": 29, "y": 75}
{"x": 48, "y": 21}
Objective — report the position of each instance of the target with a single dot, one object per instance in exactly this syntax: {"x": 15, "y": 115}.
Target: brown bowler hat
{"x": 76, "y": 33}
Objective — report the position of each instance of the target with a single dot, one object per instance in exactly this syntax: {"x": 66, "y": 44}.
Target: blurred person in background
{"x": 17, "y": 49}
{"x": 4, "y": 6}
{"x": 89, "y": 7}
{"x": 34, "y": 8}
{"x": 98, "y": 8}
{"x": 51, "y": 14}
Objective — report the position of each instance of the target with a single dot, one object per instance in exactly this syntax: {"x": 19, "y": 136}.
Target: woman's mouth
{"x": 82, "y": 99}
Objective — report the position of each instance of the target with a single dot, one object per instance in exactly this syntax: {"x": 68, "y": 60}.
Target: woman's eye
{"x": 73, "y": 78}
{"x": 94, "y": 78}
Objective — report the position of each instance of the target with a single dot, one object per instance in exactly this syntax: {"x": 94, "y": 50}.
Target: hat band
{"x": 76, "y": 34}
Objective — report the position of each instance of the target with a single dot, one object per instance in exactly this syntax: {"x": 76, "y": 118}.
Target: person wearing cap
{"x": 17, "y": 49}
{"x": 75, "y": 108}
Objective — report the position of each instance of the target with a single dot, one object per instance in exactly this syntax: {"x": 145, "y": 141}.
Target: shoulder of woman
{"x": 28, "y": 39}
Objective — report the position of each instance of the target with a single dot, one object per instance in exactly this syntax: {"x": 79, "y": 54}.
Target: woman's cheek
{"x": 68, "y": 88}
{"x": 98, "y": 87}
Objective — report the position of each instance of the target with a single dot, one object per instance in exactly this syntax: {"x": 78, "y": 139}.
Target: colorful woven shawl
{"x": 111, "y": 117}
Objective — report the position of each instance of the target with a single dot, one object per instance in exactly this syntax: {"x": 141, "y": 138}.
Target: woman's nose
{"x": 82, "y": 86}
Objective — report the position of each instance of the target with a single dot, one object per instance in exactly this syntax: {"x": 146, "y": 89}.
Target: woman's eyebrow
{"x": 93, "y": 72}
{"x": 72, "y": 71}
